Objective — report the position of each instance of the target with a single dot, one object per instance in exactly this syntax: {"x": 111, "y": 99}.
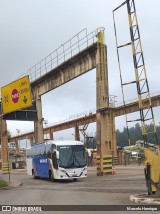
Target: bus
{"x": 57, "y": 160}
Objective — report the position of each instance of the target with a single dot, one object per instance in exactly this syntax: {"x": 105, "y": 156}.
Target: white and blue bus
{"x": 57, "y": 160}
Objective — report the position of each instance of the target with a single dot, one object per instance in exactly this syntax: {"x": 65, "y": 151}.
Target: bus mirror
{"x": 89, "y": 152}
{"x": 57, "y": 155}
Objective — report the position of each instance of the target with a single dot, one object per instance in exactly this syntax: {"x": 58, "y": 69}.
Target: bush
{"x": 3, "y": 183}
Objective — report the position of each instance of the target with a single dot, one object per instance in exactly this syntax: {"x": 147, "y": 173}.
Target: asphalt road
{"x": 93, "y": 190}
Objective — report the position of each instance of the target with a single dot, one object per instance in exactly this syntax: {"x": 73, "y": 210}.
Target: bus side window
{"x": 54, "y": 160}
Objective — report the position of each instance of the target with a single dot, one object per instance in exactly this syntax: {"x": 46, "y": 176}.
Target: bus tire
{"x": 33, "y": 174}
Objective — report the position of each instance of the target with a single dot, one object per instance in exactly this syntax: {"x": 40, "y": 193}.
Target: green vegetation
{"x": 135, "y": 134}
{"x": 3, "y": 183}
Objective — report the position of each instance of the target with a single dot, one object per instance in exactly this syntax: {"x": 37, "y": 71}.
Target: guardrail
{"x": 136, "y": 99}
{"x": 73, "y": 46}
{"x": 64, "y": 52}
{"x": 70, "y": 118}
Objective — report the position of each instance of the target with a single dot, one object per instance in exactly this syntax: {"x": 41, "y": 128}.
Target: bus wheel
{"x": 33, "y": 174}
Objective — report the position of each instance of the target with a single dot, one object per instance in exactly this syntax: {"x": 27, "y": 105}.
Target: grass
{"x": 3, "y": 184}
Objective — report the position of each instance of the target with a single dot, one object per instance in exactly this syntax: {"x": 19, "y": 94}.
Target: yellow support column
{"x": 17, "y": 146}
{"x": 152, "y": 168}
{"x": 38, "y": 125}
{"x": 98, "y": 165}
{"x": 77, "y": 135}
{"x": 51, "y": 134}
{"x": 107, "y": 164}
{"x": 4, "y": 147}
{"x": 106, "y": 137}
{"x": 6, "y": 168}
{"x": 31, "y": 139}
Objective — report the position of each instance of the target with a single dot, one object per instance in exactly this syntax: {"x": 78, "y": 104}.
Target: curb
{"x": 13, "y": 184}
{"x": 145, "y": 198}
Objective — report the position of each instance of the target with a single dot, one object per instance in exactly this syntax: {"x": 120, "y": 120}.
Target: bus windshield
{"x": 72, "y": 156}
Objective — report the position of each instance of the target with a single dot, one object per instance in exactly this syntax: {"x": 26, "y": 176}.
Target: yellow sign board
{"x": 16, "y": 95}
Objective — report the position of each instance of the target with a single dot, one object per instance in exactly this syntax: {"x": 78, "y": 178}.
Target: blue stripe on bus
{"x": 41, "y": 166}
{"x": 38, "y": 144}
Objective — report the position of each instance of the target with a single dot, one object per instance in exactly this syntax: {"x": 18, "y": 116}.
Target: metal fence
{"x": 66, "y": 51}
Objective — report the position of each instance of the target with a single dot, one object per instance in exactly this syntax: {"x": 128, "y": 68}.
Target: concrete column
{"x": 106, "y": 139}
{"x": 17, "y": 146}
{"x": 51, "y": 135}
{"x": 102, "y": 88}
{"x": 31, "y": 138}
{"x": 77, "y": 135}
{"x": 4, "y": 147}
{"x": 113, "y": 129}
{"x": 106, "y": 136}
{"x": 38, "y": 125}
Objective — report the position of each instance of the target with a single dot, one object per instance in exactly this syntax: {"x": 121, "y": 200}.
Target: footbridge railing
{"x": 73, "y": 46}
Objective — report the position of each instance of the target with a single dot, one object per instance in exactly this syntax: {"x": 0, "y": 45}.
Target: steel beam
{"x": 118, "y": 111}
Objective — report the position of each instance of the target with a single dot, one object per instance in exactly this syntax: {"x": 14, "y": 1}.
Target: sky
{"x": 30, "y": 30}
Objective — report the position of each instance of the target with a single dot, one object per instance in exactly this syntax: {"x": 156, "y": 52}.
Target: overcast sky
{"x": 31, "y": 29}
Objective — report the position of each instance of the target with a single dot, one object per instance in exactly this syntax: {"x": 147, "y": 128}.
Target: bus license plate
{"x": 74, "y": 175}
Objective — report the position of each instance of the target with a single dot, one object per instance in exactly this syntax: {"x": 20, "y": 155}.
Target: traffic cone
{"x": 113, "y": 170}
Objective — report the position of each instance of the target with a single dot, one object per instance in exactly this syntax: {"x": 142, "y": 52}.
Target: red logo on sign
{"x": 15, "y": 96}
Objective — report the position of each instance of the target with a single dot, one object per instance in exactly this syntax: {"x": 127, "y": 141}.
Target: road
{"x": 93, "y": 190}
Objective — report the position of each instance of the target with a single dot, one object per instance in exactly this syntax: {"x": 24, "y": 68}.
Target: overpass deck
{"x": 87, "y": 118}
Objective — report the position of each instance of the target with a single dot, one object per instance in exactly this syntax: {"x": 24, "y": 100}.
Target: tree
{"x": 135, "y": 134}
